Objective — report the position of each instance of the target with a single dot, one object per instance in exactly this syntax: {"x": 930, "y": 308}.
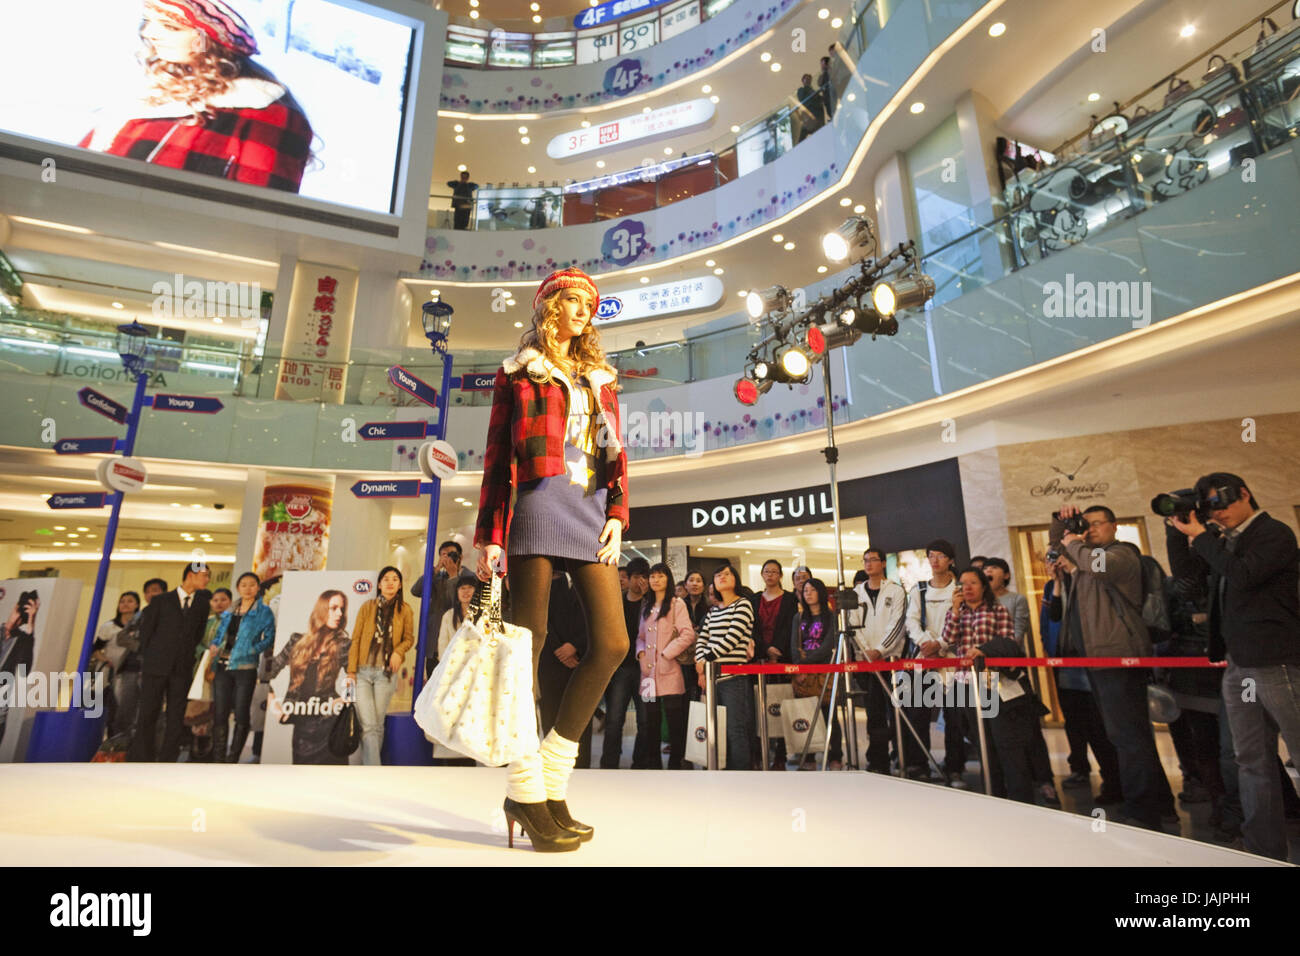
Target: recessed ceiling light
{"x": 706, "y": 88}
{"x": 196, "y": 506}
{"x": 83, "y": 529}
{"x": 460, "y": 139}
{"x": 776, "y": 67}
{"x": 586, "y": 123}
{"x": 917, "y": 107}
{"x": 1187, "y": 30}
{"x": 1093, "y": 97}
{"x": 532, "y": 169}
{"x": 777, "y": 237}
{"x": 846, "y": 201}
{"x": 837, "y": 23}
{"x": 788, "y": 246}
{"x": 851, "y": 97}
{"x": 537, "y": 18}
{"x": 715, "y": 98}
{"x": 997, "y": 29}
{"x": 461, "y": 168}
{"x": 668, "y": 150}
{"x": 766, "y": 57}
{"x": 534, "y": 7}
{"x": 118, "y": 305}
{"x": 710, "y": 263}
{"x": 57, "y": 544}
{"x": 742, "y": 293}
{"x": 473, "y": 14}
{"x": 473, "y": 3}
{"x": 175, "y": 504}
{"x": 216, "y": 319}
{"x": 645, "y": 279}
{"x": 156, "y": 544}
{"x": 717, "y": 271}
{"x": 823, "y": 13}
{"x": 821, "y": 269}
{"x": 458, "y": 128}
{"x": 523, "y": 131}
{"x": 859, "y": 209}
{"x": 735, "y": 129}
{"x": 525, "y": 140}
{"x": 519, "y": 325}
{"x": 73, "y": 534}
{"x": 600, "y": 164}
{"x": 60, "y": 527}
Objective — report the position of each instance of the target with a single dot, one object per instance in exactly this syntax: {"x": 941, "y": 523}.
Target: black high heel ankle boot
{"x": 560, "y": 812}
{"x": 535, "y": 820}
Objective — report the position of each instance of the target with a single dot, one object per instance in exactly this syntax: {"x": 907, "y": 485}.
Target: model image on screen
{"x": 315, "y": 659}
{"x": 208, "y": 107}
{"x": 554, "y": 424}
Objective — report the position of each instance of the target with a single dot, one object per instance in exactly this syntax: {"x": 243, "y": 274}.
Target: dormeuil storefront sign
{"x": 620, "y": 132}
{"x": 904, "y": 509}
{"x": 669, "y": 298}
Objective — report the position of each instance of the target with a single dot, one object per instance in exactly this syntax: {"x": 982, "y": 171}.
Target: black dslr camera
{"x": 1076, "y": 524}
{"x": 1179, "y": 504}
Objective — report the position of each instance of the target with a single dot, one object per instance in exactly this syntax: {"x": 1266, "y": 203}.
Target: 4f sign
{"x": 623, "y": 77}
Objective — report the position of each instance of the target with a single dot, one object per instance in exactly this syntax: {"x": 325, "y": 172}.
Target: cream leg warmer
{"x": 558, "y": 757}
{"x": 524, "y": 780}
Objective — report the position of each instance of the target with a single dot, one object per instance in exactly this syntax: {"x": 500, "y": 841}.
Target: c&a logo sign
{"x": 362, "y": 586}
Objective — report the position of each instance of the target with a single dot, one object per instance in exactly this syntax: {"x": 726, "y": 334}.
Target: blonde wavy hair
{"x": 195, "y": 84}
{"x": 585, "y": 352}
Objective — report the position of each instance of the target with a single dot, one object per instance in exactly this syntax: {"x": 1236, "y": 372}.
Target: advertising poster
{"x": 297, "y": 96}
{"x": 319, "y": 334}
{"x": 294, "y": 532}
{"x": 314, "y": 629}
{"x": 36, "y": 616}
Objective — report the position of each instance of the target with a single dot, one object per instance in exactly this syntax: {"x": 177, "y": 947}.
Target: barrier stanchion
{"x": 710, "y": 713}
{"x": 763, "y": 742}
{"x": 979, "y": 724}
{"x": 896, "y": 703}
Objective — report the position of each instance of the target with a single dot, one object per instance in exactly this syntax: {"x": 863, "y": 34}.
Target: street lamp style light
{"x": 132, "y": 346}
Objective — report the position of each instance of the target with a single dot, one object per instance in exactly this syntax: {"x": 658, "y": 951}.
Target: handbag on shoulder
{"x": 479, "y": 699}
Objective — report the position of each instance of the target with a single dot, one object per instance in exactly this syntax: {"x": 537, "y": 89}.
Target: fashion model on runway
{"x": 554, "y": 439}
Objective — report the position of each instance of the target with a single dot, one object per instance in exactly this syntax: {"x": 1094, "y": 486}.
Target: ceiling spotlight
{"x": 461, "y": 168}
{"x": 460, "y": 139}
{"x": 715, "y": 98}
{"x": 600, "y": 164}
{"x": 519, "y": 325}
{"x": 532, "y": 169}
{"x": 789, "y": 246}
{"x": 906, "y": 293}
{"x": 710, "y": 263}
{"x": 777, "y": 237}
{"x": 776, "y": 67}
{"x": 523, "y": 131}
{"x": 706, "y": 88}
{"x": 773, "y": 299}
{"x": 821, "y": 269}
{"x": 668, "y": 150}
{"x": 717, "y": 271}
{"x": 534, "y": 7}
{"x": 917, "y": 107}
{"x": 823, "y": 13}
{"x": 1187, "y": 31}
{"x": 473, "y": 14}
{"x": 1093, "y": 97}
{"x": 118, "y": 305}
{"x": 458, "y": 128}
{"x": 645, "y": 279}
{"x": 846, "y": 201}
{"x": 473, "y": 3}
{"x": 586, "y": 123}
{"x": 766, "y": 57}
{"x": 525, "y": 140}
{"x": 537, "y": 18}
{"x": 855, "y": 239}
{"x": 837, "y": 23}
{"x": 645, "y": 109}
{"x": 997, "y": 29}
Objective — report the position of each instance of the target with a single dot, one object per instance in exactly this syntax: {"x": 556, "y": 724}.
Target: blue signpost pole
{"x": 74, "y": 735}
{"x": 404, "y": 741}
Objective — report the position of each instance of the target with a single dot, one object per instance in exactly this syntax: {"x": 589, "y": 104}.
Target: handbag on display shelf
{"x": 697, "y": 741}
{"x": 479, "y": 699}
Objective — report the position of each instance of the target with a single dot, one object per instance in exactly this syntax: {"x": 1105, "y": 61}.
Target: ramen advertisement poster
{"x": 294, "y": 531}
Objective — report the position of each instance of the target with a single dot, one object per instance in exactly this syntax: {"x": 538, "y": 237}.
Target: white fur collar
{"x": 538, "y": 364}
{"x": 245, "y": 93}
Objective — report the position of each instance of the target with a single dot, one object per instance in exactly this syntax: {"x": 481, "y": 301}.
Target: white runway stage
{"x": 188, "y": 815}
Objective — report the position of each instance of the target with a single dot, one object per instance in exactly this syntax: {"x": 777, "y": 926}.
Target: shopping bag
{"x": 697, "y": 750}
{"x": 799, "y": 714}
{"x": 776, "y": 694}
{"x": 201, "y": 687}
{"x": 479, "y": 699}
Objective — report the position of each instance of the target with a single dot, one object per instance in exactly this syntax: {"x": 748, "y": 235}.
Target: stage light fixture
{"x": 747, "y": 391}
{"x": 838, "y": 335}
{"x": 909, "y": 292}
{"x": 795, "y": 363}
{"x": 762, "y": 370}
{"x": 855, "y": 239}
{"x": 773, "y": 299}
{"x": 867, "y": 320}
{"x": 814, "y": 341}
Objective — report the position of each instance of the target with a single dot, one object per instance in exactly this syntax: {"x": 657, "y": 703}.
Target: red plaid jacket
{"x": 525, "y": 440}
{"x": 966, "y": 627}
{"x": 261, "y": 138}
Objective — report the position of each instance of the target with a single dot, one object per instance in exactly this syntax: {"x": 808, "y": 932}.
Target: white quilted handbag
{"x": 479, "y": 699}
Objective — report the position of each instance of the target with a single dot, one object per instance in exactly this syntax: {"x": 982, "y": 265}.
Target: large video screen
{"x": 302, "y": 96}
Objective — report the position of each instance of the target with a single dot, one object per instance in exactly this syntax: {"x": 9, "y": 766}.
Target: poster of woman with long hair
{"x": 315, "y": 657}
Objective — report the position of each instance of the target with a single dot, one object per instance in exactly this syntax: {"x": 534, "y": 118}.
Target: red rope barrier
{"x": 926, "y": 663}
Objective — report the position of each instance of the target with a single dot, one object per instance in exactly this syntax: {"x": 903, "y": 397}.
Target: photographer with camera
{"x": 1103, "y": 615}
{"x": 1255, "y": 626}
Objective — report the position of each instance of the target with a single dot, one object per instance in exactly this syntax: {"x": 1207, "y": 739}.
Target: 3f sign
{"x": 626, "y": 245}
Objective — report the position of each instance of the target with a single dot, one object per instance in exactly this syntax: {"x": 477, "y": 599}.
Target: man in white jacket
{"x": 878, "y": 633}
{"x": 927, "y": 606}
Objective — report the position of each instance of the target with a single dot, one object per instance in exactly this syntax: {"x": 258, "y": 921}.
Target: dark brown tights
{"x": 607, "y": 641}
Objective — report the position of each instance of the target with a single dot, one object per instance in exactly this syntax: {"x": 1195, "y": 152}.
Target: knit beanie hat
{"x": 216, "y": 19}
{"x": 567, "y": 279}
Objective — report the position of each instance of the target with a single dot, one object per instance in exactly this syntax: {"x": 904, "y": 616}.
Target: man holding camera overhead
{"x": 1103, "y": 617}
{"x": 1255, "y": 625}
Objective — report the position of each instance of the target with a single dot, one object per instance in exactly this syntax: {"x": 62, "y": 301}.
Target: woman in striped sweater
{"x": 727, "y": 638}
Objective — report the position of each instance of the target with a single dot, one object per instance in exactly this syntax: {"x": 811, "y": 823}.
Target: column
{"x": 250, "y": 517}
{"x": 358, "y": 530}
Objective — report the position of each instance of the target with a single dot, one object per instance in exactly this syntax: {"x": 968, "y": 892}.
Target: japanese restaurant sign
{"x": 321, "y": 308}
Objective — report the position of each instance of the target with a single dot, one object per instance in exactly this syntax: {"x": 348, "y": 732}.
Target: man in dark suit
{"x": 1255, "y": 624}
{"x": 171, "y": 626}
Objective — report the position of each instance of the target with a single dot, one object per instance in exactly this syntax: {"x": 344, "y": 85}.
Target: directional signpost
{"x": 86, "y": 446}
{"x": 408, "y": 383}
{"x": 393, "y": 431}
{"x": 387, "y": 488}
{"x": 96, "y": 499}
{"x": 99, "y": 402}
{"x": 203, "y": 404}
